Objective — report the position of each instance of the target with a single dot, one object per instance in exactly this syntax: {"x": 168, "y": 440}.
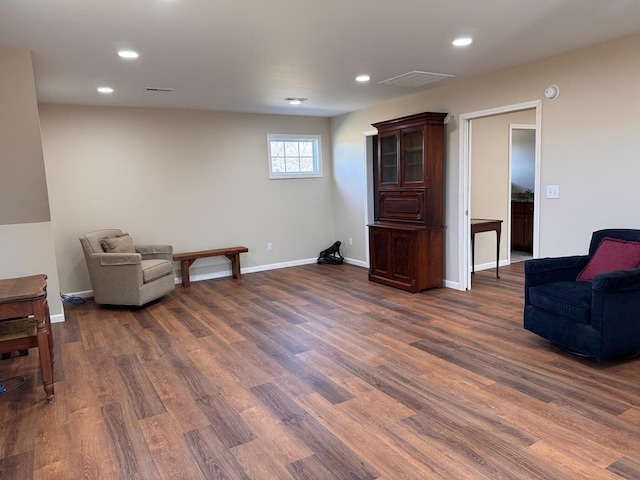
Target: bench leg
{"x": 184, "y": 272}
{"x": 235, "y": 264}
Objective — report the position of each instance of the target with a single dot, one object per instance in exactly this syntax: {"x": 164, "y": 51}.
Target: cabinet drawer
{"x": 404, "y": 206}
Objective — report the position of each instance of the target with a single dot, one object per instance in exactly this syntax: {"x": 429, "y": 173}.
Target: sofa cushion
{"x": 565, "y": 299}
{"x": 612, "y": 254}
{"x": 118, "y": 244}
{"x": 156, "y": 268}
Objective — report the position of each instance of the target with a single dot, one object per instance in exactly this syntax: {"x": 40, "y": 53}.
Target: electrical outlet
{"x": 553, "y": 191}
{"x": 269, "y": 246}
{"x": 350, "y": 241}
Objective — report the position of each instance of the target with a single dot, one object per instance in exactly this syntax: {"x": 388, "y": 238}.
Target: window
{"x": 294, "y": 156}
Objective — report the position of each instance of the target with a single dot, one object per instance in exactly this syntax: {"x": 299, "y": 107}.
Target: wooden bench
{"x": 187, "y": 258}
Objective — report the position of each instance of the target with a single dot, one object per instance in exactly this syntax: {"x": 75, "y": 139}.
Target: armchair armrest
{"x": 148, "y": 249}
{"x": 549, "y": 270}
{"x": 618, "y": 281}
{"x": 615, "y": 306}
{"x": 112, "y": 259}
{"x": 164, "y": 252}
{"x": 548, "y": 265}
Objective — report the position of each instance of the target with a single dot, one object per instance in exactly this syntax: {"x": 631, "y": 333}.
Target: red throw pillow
{"x": 612, "y": 254}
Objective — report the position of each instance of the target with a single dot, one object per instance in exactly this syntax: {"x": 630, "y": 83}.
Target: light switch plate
{"x": 553, "y": 191}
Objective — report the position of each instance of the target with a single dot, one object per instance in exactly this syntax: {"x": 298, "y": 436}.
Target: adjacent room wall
{"x": 197, "y": 180}
{"x": 589, "y": 145}
{"x": 26, "y": 241}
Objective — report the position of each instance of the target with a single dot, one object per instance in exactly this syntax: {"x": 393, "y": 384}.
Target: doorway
{"x": 522, "y": 159}
{"x": 465, "y": 177}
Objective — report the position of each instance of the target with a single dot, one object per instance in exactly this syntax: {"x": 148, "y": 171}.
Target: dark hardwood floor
{"x": 315, "y": 373}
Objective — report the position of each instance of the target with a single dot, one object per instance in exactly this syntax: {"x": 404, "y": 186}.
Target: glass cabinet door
{"x": 389, "y": 159}
{"x": 412, "y": 157}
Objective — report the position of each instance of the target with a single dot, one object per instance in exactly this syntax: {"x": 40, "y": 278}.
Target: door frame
{"x": 464, "y": 183}
{"x": 368, "y": 189}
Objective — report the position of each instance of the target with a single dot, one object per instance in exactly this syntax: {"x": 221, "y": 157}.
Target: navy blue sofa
{"x": 600, "y": 319}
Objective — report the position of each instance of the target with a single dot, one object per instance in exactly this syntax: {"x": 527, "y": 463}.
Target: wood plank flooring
{"x": 311, "y": 373}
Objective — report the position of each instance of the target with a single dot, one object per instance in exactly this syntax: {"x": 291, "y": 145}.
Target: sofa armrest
{"x": 550, "y": 270}
{"x": 148, "y": 252}
{"x": 114, "y": 259}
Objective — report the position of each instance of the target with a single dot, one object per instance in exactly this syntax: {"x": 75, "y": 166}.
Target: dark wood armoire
{"x": 406, "y": 241}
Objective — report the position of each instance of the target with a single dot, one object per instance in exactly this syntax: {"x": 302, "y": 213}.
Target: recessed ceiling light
{"x": 363, "y": 78}
{"x": 295, "y": 100}
{"x": 105, "y": 89}
{"x": 128, "y": 54}
{"x": 462, "y": 41}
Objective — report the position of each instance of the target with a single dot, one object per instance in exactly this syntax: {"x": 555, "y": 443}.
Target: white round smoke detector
{"x": 551, "y": 92}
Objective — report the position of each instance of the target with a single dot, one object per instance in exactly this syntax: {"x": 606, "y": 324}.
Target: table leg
{"x": 473, "y": 253}
{"x": 48, "y": 325}
{"x": 46, "y": 359}
{"x": 498, "y": 254}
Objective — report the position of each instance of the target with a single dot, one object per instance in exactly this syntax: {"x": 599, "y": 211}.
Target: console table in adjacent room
{"x": 479, "y": 225}
{"x": 187, "y": 258}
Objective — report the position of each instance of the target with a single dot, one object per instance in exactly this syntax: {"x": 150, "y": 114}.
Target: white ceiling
{"x": 248, "y": 55}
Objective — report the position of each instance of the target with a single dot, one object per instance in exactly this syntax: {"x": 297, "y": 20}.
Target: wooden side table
{"x": 23, "y": 301}
{"x": 479, "y": 225}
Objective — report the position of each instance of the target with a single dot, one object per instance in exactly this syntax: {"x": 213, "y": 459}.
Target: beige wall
{"x": 26, "y": 240}
{"x": 194, "y": 179}
{"x": 589, "y": 145}
{"x": 27, "y": 249}
{"x": 490, "y": 182}
{"x": 23, "y": 187}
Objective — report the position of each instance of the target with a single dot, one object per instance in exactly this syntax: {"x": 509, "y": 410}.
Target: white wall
{"x": 589, "y": 145}
{"x": 196, "y": 180}
{"x": 523, "y": 160}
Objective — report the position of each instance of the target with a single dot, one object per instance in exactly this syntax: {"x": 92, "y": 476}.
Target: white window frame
{"x": 272, "y": 137}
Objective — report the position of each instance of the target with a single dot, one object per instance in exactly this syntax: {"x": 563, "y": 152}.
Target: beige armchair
{"x": 126, "y": 274}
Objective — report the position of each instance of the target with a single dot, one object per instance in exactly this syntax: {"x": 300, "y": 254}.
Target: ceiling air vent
{"x": 415, "y": 79}
{"x": 159, "y": 89}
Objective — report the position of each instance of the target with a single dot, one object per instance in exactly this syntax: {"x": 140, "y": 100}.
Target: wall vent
{"x": 159, "y": 89}
{"x": 415, "y": 79}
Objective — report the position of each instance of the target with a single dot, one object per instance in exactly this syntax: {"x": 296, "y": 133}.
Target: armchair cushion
{"x": 118, "y": 244}
{"x": 612, "y": 254}
{"x": 156, "y": 268}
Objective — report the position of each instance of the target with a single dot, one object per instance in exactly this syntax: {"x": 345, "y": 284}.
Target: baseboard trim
{"x": 487, "y": 266}
{"x": 57, "y": 318}
{"x": 453, "y": 285}
{"x": 84, "y": 294}
{"x": 357, "y": 263}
